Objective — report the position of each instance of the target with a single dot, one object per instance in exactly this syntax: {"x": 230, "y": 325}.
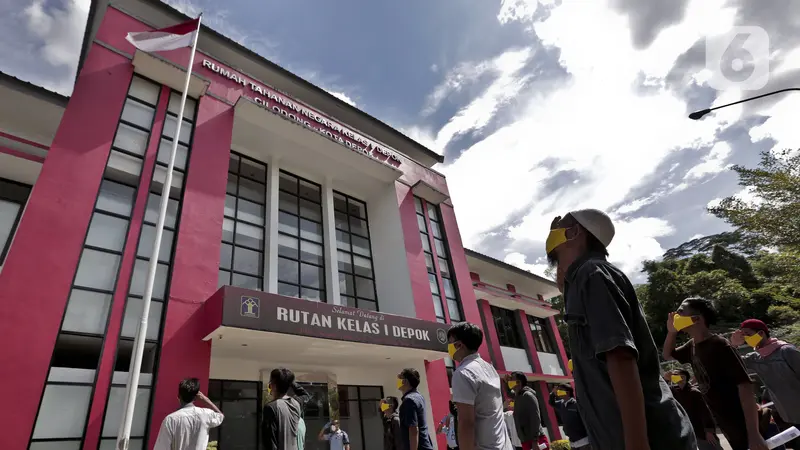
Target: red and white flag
{"x": 170, "y": 38}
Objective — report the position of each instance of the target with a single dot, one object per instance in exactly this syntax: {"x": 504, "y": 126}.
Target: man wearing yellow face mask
{"x": 413, "y": 421}
{"x": 562, "y": 399}
{"x": 692, "y": 401}
{"x": 476, "y": 393}
{"x": 777, "y": 363}
{"x": 624, "y": 402}
{"x": 391, "y": 424}
{"x": 719, "y": 370}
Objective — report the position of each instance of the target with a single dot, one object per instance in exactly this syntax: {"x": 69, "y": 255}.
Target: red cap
{"x": 755, "y": 325}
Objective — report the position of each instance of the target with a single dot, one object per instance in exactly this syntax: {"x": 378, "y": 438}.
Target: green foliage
{"x": 773, "y": 219}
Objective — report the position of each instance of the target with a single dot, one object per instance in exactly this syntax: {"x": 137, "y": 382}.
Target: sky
{"x": 539, "y": 107}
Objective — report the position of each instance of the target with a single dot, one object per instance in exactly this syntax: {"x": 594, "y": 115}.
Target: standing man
{"x": 624, "y": 402}
{"x": 721, "y": 376}
{"x": 338, "y": 438}
{"x": 187, "y": 428}
{"x": 692, "y": 401}
{"x": 527, "y": 417}
{"x": 777, "y": 363}
{"x": 413, "y": 422}
{"x": 476, "y": 392}
{"x": 281, "y": 416}
{"x": 562, "y": 399}
{"x": 391, "y": 424}
{"x": 449, "y": 426}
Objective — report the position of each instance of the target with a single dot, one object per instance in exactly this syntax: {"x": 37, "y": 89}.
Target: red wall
{"x": 41, "y": 265}
{"x": 196, "y": 264}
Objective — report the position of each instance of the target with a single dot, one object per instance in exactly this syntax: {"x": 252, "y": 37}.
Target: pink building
{"x": 302, "y": 232}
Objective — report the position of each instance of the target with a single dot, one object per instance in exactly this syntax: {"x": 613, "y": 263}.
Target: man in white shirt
{"x": 511, "y": 427}
{"x": 187, "y": 428}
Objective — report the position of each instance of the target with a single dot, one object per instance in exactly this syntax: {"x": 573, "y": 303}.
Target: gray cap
{"x": 596, "y": 222}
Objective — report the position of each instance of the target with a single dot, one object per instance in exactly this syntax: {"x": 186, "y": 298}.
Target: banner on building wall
{"x": 256, "y": 310}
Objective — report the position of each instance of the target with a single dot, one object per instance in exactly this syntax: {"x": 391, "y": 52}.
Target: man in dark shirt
{"x": 624, "y": 402}
{"x": 692, "y": 401}
{"x": 527, "y": 416}
{"x": 391, "y": 424}
{"x": 281, "y": 416}
{"x": 413, "y": 423}
{"x": 720, "y": 373}
{"x": 562, "y": 399}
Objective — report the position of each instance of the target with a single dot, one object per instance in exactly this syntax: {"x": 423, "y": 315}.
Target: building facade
{"x": 300, "y": 232}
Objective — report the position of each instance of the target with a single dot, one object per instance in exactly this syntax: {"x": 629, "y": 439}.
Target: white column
{"x": 271, "y": 246}
{"x": 329, "y": 237}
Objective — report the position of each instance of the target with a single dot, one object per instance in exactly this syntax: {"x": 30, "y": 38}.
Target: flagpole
{"x": 135, "y": 369}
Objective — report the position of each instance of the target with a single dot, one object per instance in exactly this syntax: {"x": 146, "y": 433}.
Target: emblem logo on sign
{"x": 441, "y": 335}
{"x": 250, "y": 307}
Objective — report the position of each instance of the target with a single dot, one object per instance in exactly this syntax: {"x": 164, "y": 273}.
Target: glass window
{"x": 116, "y": 400}
{"x": 107, "y": 232}
{"x": 63, "y": 411}
{"x": 87, "y": 312}
{"x": 508, "y": 332}
{"x": 133, "y": 315}
{"x": 13, "y": 197}
{"x": 243, "y": 229}
{"x": 240, "y": 401}
{"x": 301, "y": 262}
{"x": 97, "y": 270}
{"x": 542, "y": 337}
{"x": 354, "y": 253}
{"x": 115, "y": 198}
{"x": 434, "y": 248}
{"x": 137, "y": 113}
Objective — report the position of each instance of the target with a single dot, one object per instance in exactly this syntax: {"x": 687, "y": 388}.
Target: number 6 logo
{"x": 738, "y": 59}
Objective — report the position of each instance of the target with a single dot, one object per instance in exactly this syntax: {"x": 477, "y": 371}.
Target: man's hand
{"x": 670, "y": 323}
{"x": 757, "y": 443}
{"x": 737, "y": 338}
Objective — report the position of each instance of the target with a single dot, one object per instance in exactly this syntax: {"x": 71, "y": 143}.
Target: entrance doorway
{"x": 241, "y": 402}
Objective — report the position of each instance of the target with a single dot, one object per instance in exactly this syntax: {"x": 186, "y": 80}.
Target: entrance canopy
{"x": 245, "y": 323}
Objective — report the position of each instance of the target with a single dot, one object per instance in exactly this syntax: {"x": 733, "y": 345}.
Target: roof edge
{"x": 507, "y": 266}
{"x": 35, "y": 88}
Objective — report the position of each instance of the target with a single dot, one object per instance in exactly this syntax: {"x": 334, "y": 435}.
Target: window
{"x": 354, "y": 253}
{"x": 360, "y": 415}
{"x": 434, "y": 246}
{"x": 450, "y": 365}
{"x": 135, "y": 300}
{"x": 542, "y": 337}
{"x": 65, "y": 403}
{"x": 240, "y": 401}
{"x": 301, "y": 252}
{"x": 243, "y": 228}
{"x": 508, "y": 332}
{"x": 13, "y": 197}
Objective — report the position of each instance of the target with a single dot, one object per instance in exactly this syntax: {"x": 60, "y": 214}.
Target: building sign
{"x": 274, "y": 313}
{"x": 277, "y": 103}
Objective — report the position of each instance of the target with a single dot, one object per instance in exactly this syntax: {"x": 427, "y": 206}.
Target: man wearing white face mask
{"x": 338, "y": 438}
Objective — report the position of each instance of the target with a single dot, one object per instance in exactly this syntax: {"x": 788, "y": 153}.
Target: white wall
{"x": 392, "y": 277}
{"x": 516, "y": 359}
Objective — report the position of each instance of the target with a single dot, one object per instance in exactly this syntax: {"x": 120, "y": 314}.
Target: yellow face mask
{"x": 451, "y": 350}
{"x": 511, "y": 404}
{"x": 399, "y": 383}
{"x": 569, "y": 364}
{"x": 561, "y": 393}
{"x": 680, "y": 322}
{"x": 512, "y": 384}
{"x": 753, "y": 340}
{"x": 384, "y": 406}
{"x": 676, "y": 379}
{"x": 556, "y": 237}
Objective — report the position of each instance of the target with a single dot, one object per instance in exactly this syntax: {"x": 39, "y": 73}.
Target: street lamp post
{"x": 697, "y": 115}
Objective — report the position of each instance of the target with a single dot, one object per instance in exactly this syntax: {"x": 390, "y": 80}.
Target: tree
{"x": 772, "y": 217}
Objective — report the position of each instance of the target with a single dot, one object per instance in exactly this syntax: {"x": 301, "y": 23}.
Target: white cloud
{"x": 521, "y": 10}
{"x": 517, "y": 259}
{"x": 595, "y": 125}
{"x": 712, "y": 164}
{"x": 343, "y": 97}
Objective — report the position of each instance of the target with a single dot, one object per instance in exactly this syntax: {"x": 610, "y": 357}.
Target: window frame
{"x": 511, "y": 336}
{"x": 542, "y": 335}
{"x": 359, "y": 399}
{"x": 235, "y": 219}
{"x": 323, "y": 286}
{"x": 348, "y": 215}
{"x": 12, "y": 192}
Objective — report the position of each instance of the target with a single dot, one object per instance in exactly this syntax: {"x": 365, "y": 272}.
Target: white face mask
{"x": 333, "y": 428}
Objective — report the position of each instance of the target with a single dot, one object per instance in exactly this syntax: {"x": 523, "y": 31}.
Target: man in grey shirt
{"x": 527, "y": 417}
{"x": 281, "y": 416}
{"x": 624, "y": 402}
{"x": 476, "y": 392}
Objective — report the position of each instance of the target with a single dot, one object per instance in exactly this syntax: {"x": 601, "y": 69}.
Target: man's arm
{"x": 464, "y": 393}
{"x": 534, "y": 414}
{"x": 397, "y": 438}
{"x": 214, "y": 417}
{"x": 164, "y": 439}
{"x": 322, "y": 436}
{"x": 624, "y": 373}
{"x": 345, "y": 440}
{"x": 606, "y": 311}
{"x": 300, "y": 394}
{"x": 748, "y": 400}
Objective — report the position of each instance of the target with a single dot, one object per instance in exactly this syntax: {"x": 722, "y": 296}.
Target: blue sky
{"x": 539, "y": 107}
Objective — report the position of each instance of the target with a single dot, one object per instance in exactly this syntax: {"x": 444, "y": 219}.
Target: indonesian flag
{"x": 170, "y": 38}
